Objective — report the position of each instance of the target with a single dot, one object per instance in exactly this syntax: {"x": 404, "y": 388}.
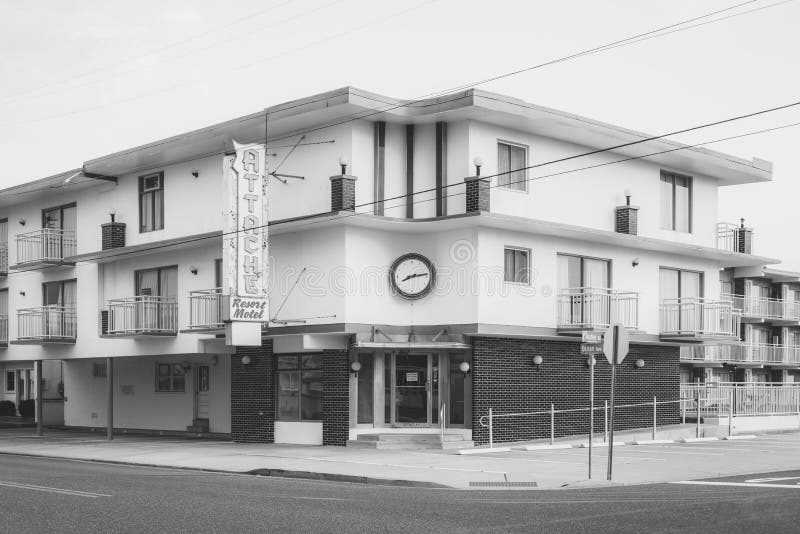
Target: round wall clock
{"x": 412, "y": 276}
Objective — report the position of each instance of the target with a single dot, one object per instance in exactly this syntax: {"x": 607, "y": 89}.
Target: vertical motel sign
{"x": 245, "y": 252}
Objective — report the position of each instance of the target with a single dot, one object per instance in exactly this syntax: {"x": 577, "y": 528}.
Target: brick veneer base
{"x": 335, "y": 397}
{"x": 253, "y": 395}
{"x": 505, "y": 379}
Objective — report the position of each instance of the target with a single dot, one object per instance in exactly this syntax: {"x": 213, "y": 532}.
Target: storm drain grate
{"x": 503, "y": 484}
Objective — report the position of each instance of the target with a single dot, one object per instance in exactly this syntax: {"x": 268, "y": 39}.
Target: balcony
{"x": 207, "y": 310}
{"x": 144, "y": 315}
{"x": 46, "y": 324}
{"x": 744, "y": 355}
{"x": 47, "y": 246}
{"x": 586, "y": 308}
{"x": 698, "y": 319}
{"x": 3, "y": 259}
{"x": 734, "y": 238}
{"x": 759, "y": 309}
{"x": 3, "y": 330}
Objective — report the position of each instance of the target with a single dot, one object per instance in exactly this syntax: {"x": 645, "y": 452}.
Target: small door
{"x": 411, "y": 389}
{"x": 202, "y": 391}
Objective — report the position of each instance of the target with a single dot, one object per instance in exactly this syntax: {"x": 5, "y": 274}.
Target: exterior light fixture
{"x": 186, "y": 367}
{"x": 113, "y": 213}
{"x": 195, "y": 173}
{"x": 214, "y": 360}
{"x": 355, "y": 367}
{"x": 639, "y": 363}
{"x": 193, "y": 270}
{"x": 343, "y": 163}
{"x": 464, "y": 368}
{"x": 22, "y": 222}
{"x": 537, "y": 361}
{"x": 478, "y": 162}
{"x": 245, "y": 360}
{"x": 627, "y": 194}
{"x": 635, "y": 262}
{"x": 590, "y": 361}
{"x": 22, "y": 292}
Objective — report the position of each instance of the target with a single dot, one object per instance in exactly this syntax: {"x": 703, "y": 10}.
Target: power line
{"x": 309, "y": 219}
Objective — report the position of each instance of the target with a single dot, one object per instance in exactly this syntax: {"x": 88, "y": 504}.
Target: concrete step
{"x": 411, "y": 437}
{"x": 410, "y": 445}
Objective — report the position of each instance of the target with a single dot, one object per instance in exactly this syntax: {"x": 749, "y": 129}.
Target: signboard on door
{"x": 245, "y": 245}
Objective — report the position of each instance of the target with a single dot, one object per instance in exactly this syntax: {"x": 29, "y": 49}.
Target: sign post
{"x": 591, "y": 344}
{"x": 615, "y": 347}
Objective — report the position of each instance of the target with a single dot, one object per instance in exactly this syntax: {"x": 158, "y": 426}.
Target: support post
{"x": 552, "y": 424}
{"x": 655, "y": 416}
{"x": 110, "y": 398}
{"x": 39, "y": 408}
{"x": 605, "y": 422}
{"x": 491, "y": 437}
{"x": 730, "y": 415}
{"x": 591, "y": 410}
{"x": 697, "y": 427}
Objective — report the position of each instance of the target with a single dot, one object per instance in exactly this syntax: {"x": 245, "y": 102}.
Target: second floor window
{"x": 161, "y": 282}
{"x": 60, "y": 294}
{"x": 576, "y": 272}
{"x": 151, "y": 202}
{"x": 679, "y": 284}
{"x": 517, "y": 265}
{"x": 511, "y": 163}
{"x": 676, "y": 202}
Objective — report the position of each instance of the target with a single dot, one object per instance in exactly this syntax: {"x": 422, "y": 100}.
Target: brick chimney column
{"x": 113, "y": 235}
{"x": 343, "y": 192}
{"x": 478, "y": 194}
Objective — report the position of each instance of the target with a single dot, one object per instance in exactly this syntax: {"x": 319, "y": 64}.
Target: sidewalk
{"x": 543, "y": 469}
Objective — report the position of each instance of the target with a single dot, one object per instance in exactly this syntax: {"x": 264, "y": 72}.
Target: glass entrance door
{"x": 416, "y": 376}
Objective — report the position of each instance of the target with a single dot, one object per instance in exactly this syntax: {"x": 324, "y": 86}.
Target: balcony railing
{"x": 765, "y": 354}
{"x": 3, "y": 259}
{"x": 734, "y": 238}
{"x": 699, "y": 317}
{"x": 47, "y": 324}
{"x": 143, "y": 315}
{"x": 745, "y": 398}
{"x": 764, "y": 308}
{"x": 207, "y": 309}
{"x": 3, "y": 329}
{"x": 591, "y": 308}
{"x": 47, "y": 245}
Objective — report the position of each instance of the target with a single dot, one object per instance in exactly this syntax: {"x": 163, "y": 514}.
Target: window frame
{"x": 99, "y": 370}
{"x": 299, "y": 370}
{"x": 172, "y": 375}
{"x": 136, "y": 283}
{"x": 582, "y": 257}
{"x": 155, "y": 206}
{"x": 510, "y": 187}
{"x": 60, "y": 209}
{"x": 526, "y": 251}
{"x": 13, "y": 376}
{"x": 702, "y": 276}
{"x": 690, "y": 207}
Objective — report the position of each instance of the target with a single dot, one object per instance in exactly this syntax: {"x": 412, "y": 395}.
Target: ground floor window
{"x": 299, "y": 387}
{"x": 170, "y": 377}
{"x": 11, "y": 381}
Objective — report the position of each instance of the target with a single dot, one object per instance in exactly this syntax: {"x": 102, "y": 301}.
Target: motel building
{"x": 383, "y": 271}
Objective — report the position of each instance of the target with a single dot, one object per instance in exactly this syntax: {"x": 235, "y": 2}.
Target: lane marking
{"x": 737, "y": 484}
{"x": 774, "y": 479}
{"x": 76, "y": 493}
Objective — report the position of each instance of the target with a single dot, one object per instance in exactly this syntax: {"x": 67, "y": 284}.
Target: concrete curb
{"x": 697, "y": 440}
{"x": 484, "y": 451}
{"x": 740, "y": 436}
{"x": 544, "y": 447}
{"x": 654, "y": 442}
{"x": 600, "y": 444}
{"x": 277, "y": 473}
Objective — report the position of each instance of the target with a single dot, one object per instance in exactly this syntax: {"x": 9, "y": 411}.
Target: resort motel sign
{"x": 245, "y": 253}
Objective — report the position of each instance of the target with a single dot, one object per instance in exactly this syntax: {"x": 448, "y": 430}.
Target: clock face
{"x": 412, "y": 276}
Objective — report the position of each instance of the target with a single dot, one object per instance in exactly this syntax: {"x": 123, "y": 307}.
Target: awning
{"x": 411, "y": 345}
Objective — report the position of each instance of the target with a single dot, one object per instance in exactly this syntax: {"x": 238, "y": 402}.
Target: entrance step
{"x": 198, "y": 425}
{"x": 396, "y": 441}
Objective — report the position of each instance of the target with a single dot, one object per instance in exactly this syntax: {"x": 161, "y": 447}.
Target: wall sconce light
{"x": 639, "y": 363}
{"x": 478, "y": 162}
{"x": 22, "y": 293}
{"x": 195, "y": 173}
{"x": 355, "y": 367}
{"x": 343, "y": 163}
{"x": 245, "y": 360}
{"x": 214, "y": 361}
{"x": 113, "y": 213}
{"x": 186, "y": 367}
{"x": 590, "y": 361}
{"x": 627, "y": 194}
{"x": 193, "y": 270}
{"x": 22, "y": 222}
{"x": 537, "y": 361}
{"x": 464, "y": 368}
{"x": 635, "y": 262}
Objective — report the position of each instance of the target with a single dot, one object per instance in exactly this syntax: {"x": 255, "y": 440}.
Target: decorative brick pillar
{"x": 478, "y": 194}
{"x": 343, "y": 193}
{"x": 744, "y": 239}
{"x": 627, "y": 220}
{"x": 113, "y": 235}
{"x": 335, "y": 397}
{"x": 253, "y": 395}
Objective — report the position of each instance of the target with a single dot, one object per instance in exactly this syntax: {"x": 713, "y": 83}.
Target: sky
{"x": 81, "y": 79}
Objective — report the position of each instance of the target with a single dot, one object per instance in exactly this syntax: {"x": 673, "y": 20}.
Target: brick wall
{"x": 113, "y": 235}
{"x": 335, "y": 397}
{"x": 343, "y": 193}
{"x": 478, "y": 195}
{"x": 253, "y": 395}
{"x": 505, "y": 379}
{"x": 627, "y": 220}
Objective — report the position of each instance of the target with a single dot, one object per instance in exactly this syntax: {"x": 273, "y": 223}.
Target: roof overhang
{"x": 762, "y": 271}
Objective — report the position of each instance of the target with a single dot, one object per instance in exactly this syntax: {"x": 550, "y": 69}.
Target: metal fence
{"x": 47, "y": 323}
{"x": 207, "y": 308}
{"x": 743, "y": 353}
{"x": 588, "y": 307}
{"x": 45, "y": 245}
{"x": 725, "y": 399}
{"x": 3, "y": 329}
{"x": 698, "y": 316}
{"x": 144, "y": 314}
{"x": 3, "y": 257}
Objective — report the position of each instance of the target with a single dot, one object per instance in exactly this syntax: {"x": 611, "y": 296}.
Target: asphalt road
{"x": 46, "y": 495}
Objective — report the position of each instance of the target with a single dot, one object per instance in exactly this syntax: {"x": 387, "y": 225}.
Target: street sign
{"x": 615, "y": 343}
{"x": 592, "y": 337}
{"x": 591, "y": 348}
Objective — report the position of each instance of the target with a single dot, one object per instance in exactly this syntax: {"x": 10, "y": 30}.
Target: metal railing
{"x": 734, "y": 237}
{"x": 47, "y": 323}
{"x": 591, "y": 307}
{"x": 3, "y": 258}
{"x": 207, "y": 308}
{"x": 696, "y": 316}
{"x": 766, "y": 308}
{"x": 143, "y": 315}
{"x": 743, "y": 353}
{"x": 751, "y": 398}
{"x": 4, "y": 329}
{"x": 45, "y": 245}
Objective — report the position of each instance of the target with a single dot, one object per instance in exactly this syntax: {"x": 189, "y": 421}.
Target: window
{"x": 676, "y": 202}
{"x": 517, "y": 265}
{"x": 576, "y": 272}
{"x": 511, "y": 163}
{"x": 678, "y": 284}
{"x": 11, "y": 381}
{"x": 299, "y": 387}
{"x": 218, "y": 273}
{"x": 60, "y": 218}
{"x": 98, "y": 370}
{"x": 151, "y": 202}
{"x": 161, "y": 282}
{"x": 170, "y": 377}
